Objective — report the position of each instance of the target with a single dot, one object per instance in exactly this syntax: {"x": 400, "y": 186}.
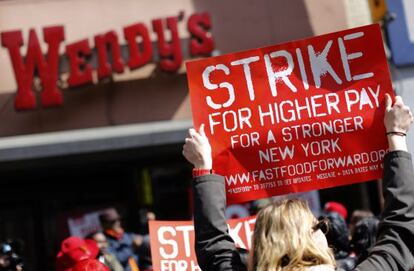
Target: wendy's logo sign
{"x": 140, "y": 48}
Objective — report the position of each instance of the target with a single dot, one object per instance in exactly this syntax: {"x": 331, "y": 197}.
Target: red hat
{"x": 74, "y": 250}
{"x": 90, "y": 265}
{"x": 333, "y": 206}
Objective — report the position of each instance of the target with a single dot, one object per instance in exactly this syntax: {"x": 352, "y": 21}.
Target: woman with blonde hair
{"x": 291, "y": 231}
{"x": 287, "y": 237}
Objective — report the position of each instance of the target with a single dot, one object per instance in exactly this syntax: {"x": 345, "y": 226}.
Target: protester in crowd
{"x": 337, "y": 207}
{"x": 74, "y": 250}
{"x": 10, "y": 259}
{"x": 122, "y": 244}
{"x": 356, "y": 216}
{"x": 364, "y": 237}
{"x": 337, "y": 236}
{"x": 144, "y": 251}
{"x": 90, "y": 265}
{"x": 104, "y": 256}
{"x": 287, "y": 236}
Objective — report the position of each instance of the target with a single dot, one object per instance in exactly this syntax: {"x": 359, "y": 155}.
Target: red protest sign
{"x": 298, "y": 116}
{"x": 172, "y": 242}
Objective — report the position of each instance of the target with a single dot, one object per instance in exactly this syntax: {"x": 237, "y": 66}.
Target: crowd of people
{"x": 112, "y": 249}
{"x": 287, "y": 236}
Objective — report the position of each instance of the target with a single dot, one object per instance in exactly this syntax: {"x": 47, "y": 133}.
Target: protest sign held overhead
{"x": 299, "y": 116}
{"x": 172, "y": 242}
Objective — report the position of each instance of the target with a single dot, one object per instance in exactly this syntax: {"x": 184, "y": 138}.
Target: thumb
{"x": 201, "y": 131}
{"x": 388, "y": 102}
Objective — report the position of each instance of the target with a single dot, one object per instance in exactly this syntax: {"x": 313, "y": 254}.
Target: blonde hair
{"x": 282, "y": 239}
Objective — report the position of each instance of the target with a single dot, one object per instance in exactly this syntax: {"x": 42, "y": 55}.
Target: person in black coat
{"x": 364, "y": 237}
{"x": 338, "y": 239}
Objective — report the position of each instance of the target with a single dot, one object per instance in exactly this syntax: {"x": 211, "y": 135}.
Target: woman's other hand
{"x": 397, "y": 121}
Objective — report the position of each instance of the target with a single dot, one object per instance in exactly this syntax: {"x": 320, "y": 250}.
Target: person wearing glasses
{"x": 287, "y": 235}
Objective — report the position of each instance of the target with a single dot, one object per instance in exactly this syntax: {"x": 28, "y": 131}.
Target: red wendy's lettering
{"x": 102, "y": 42}
{"x": 81, "y": 71}
{"x": 201, "y": 41}
{"x": 138, "y": 58}
{"x": 170, "y": 52}
{"x": 24, "y": 69}
{"x": 172, "y": 242}
{"x": 297, "y": 116}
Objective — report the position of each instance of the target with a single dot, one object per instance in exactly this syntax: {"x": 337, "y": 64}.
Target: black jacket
{"x": 216, "y": 250}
